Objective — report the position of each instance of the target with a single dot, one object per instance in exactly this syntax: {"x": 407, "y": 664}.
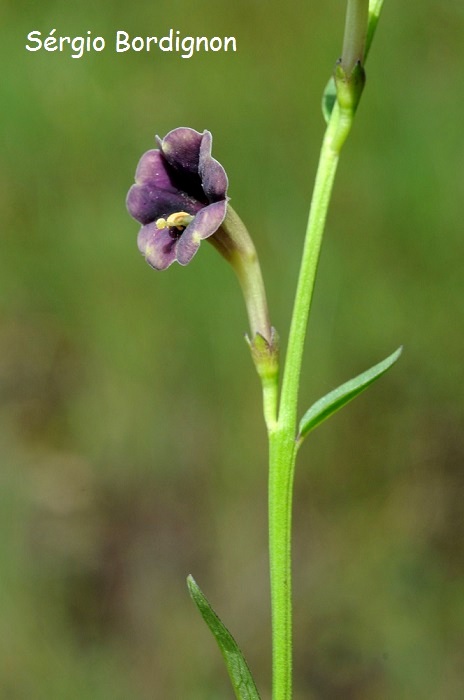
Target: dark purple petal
{"x": 153, "y": 171}
{"x": 146, "y": 204}
{"x": 213, "y": 176}
{"x": 206, "y": 222}
{"x": 181, "y": 148}
{"x": 158, "y": 246}
{"x": 186, "y": 248}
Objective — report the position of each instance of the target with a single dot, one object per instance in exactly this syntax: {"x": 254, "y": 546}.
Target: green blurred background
{"x": 131, "y": 440}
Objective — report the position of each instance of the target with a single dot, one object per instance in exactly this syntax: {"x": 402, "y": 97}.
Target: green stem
{"x": 282, "y": 455}
{"x": 282, "y": 433}
{"x": 282, "y": 438}
{"x": 334, "y": 138}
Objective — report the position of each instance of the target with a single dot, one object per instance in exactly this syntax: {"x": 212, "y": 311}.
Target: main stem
{"x": 282, "y": 444}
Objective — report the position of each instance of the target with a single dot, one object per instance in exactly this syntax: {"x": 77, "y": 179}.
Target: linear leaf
{"x": 334, "y": 400}
{"x": 375, "y": 8}
{"x": 239, "y": 673}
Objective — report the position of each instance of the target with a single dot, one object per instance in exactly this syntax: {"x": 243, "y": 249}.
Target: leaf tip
{"x": 192, "y": 585}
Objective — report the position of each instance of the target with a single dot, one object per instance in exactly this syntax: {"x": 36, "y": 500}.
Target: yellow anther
{"x": 179, "y": 220}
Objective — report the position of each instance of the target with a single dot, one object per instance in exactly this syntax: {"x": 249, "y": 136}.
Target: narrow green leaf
{"x": 375, "y": 8}
{"x": 329, "y": 95}
{"x": 240, "y": 675}
{"x": 334, "y": 400}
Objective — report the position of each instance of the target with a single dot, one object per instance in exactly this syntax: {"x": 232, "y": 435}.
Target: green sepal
{"x": 265, "y": 355}
{"x": 349, "y": 86}
{"x": 334, "y": 400}
{"x": 346, "y": 89}
{"x": 239, "y": 673}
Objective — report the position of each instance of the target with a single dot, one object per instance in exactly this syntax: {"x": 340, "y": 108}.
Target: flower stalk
{"x": 354, "y": 40}
{"x": 234, "y": 243}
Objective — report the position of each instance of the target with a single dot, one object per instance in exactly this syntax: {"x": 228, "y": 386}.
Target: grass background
{"x": 131, "y": 441}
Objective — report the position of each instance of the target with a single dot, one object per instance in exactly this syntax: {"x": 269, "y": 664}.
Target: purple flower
{"x": 179, "y": 197}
